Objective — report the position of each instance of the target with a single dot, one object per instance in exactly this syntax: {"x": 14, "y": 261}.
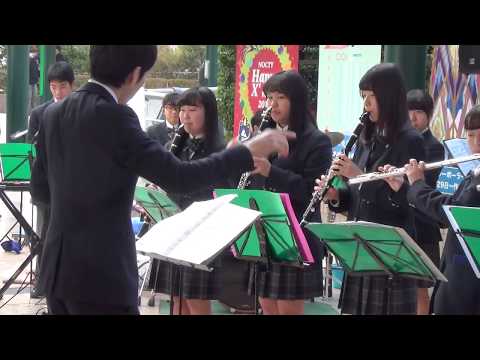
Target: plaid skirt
{"x": 196, "y": 284}
{"x": 367, "y": 295}
{"x": 283, "y": 282}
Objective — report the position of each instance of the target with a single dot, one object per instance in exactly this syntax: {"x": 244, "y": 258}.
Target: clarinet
{"x": 264, "y": 124}
{"x": 320, "y": 194}
{"x": 178, "y": 140}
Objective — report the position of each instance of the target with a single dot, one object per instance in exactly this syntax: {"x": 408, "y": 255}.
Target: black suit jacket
{"x": 36, "y": 117}
{"x": 376, "y": 201}
{"x": 160, "y": 132}
{"x": 428, "y": 231}
{"x": 461, "y": 294}
{"x": 90, "y": 153}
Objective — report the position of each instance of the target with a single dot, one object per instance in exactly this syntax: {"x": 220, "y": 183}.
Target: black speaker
{"x": 469, "y": 59}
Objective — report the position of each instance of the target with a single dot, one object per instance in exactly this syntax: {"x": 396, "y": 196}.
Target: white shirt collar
{"x": 106, "y": 87}
{"x": 285, "y": 128}
{"x": 425, "y": 130}
{"x": 169, "y": 126}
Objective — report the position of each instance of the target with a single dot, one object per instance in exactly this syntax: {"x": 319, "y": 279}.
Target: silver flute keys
{"x": 374, "y": 176}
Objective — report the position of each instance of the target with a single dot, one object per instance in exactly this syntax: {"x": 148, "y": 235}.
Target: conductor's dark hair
{"x": 388, "y": 85}
{"x": 472, "y": 119}
{"x": 204, "y": 96}
{"x": 111, "y": 64}
{"x": 61, "y": 71}
{"x": 419, "y": 100}
{"x": 292, "y": 84}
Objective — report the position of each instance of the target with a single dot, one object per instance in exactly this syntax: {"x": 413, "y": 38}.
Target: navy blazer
{"x": 90, "y": 152}
{"x": 160, "y": 132}
{"x": 36, "y": 117}
{"x": 376, "y": 201}
{"x": 427, "y": 230}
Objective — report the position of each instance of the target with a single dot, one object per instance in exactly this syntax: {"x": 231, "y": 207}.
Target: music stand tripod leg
{"x": 180, "y": 290}
{"x": 28, "y": 230}
{"x": 143, "y": 282}
{"x": 172, "y": 270}
{"x": 255, "y": 292}
{"x": 388, "y": 297}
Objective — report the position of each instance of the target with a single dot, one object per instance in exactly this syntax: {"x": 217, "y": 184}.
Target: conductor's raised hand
{"x": 270, "y": 142}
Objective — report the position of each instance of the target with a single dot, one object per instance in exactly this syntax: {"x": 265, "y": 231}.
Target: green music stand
{"x": 270, "y": 239}
{"x": 16, "y": 160}
{"x": 156, "y": 203}
{"x": 365, "y": 248}
{"x": 158, "y": 207}
{"x": 465, "y": 223}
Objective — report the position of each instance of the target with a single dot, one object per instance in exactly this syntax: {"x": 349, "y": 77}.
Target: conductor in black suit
{"x": 165, "y": 130}
{"x": 420, "y": 109}
{"x": 60, "y": 78}
{"x": 90, "y": 151}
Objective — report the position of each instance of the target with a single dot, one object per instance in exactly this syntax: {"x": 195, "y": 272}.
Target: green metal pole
{"x": 17, "y": 88}
{"x": 412, "y": 60}
{"x": 211, "y": 65}
{"x": 47, "y": 58}
{"x": 212, "y": 56}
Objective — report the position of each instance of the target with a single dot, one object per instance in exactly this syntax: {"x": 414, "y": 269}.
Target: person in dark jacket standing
{"x": 387, "y": 139}
{"x": 164, "y": 131}
{"x": 198, "y": 114}
{"x": 90, "y": 151}
{"x": 282, "y": 289}
{"x": 461, "y": 294}
{"x": 60, "y": 77}
{"x": 34, "y": 77}
{"x": 420, "y": 110}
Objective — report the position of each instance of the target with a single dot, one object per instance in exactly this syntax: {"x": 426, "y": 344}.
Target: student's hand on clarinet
{"x": 270, "y": 142}
{"x": 415, "y": 171}
{"x": 346, "y": 167}
{"x": 332, "y": 193}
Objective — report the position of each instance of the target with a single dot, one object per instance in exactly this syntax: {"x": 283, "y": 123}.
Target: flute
{"x": 374, "y": 176}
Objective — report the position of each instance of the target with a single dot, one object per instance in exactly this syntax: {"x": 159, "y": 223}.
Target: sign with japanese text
{"x": 255, "y": 64}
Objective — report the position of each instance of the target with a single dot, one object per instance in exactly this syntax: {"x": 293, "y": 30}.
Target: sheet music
{"x": 198, "y": 234}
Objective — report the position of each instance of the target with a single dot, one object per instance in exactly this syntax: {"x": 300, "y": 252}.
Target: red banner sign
{"x": 254, "y": 66}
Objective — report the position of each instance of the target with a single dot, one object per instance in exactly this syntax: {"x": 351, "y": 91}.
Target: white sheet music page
{"x": 199, "y": 233}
